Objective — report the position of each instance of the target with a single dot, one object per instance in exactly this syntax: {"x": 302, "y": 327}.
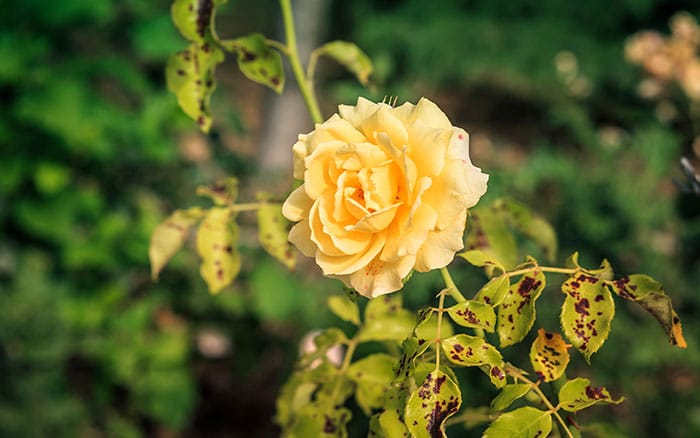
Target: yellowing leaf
{"x": 651, "y": 296}
{"x": 587, "y": 312}
{"x": 549, "y": 355}
{"x": 223, "y": 192}
{"x": 349, "y": 56}
{"x": 578, "y": 394}
{"x": 386, "y": 320}
{"x": 489, "y": 231}
{"x": 470, "y": 351}
{"x": 272, "y": 233}
{"x": 257, "y": 61}
{"x": 319, "y": 420}
{"x": 525, "y": 422}
{"x": 169, "y": 236}
{"x": 472, "y": 313}
{"x": 373, "y": 375}
{"x": 217, "y": 240}
{"x": 494, "y": 291}
{"x": 343, "y": 308}
{"x": 411, "y": 348}
{"x": 436, "y": 399}
{"x": 190, "y": 76}
{"x": 516, "y": 314}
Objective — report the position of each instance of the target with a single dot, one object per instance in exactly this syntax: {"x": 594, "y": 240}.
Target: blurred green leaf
{"x": 349, "y": 56}
{"x": 168, "y": 237}
{"x": 372, "y": 374}
{"x": 272, "y": 234}
{"x": 343, "y": 308}
{"x": 217, "y": 245}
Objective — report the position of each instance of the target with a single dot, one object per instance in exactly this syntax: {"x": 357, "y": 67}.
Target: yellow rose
{"x": 386, "y": 190}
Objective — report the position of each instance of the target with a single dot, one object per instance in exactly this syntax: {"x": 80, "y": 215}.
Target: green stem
{"x": 451, "y": 286}
{"x": 515, "y": 372}
{"x": 250, "y": 206}
{"x": 347, "y": 360}
{"x": 438, "y": 330}
{"x": 293, "y": 54}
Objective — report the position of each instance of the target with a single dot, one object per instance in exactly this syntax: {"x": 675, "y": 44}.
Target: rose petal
{"x": 297, "y": 205}
{"x": 440, "y": 246}
{"x": 380, "y": 277}
{"x": 343, "y": 265}
{"x": 300, "y": 236}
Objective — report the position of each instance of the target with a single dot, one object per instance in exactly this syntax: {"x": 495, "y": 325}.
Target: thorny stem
{"x": 292, "y": 53}
{"x": 515, "y": 372}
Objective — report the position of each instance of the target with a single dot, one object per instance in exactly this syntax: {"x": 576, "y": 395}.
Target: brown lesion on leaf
{"x": 204, "y": 11}
{"x": 596, "y": 393}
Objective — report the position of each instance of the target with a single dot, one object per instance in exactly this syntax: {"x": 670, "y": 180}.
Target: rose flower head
{"x": 386, "y": 190}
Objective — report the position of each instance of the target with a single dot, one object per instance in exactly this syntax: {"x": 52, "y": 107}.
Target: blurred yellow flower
{"x": 386, "y": 190}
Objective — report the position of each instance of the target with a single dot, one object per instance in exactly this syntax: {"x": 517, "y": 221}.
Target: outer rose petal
{"x": 379, "y": 278}
{"x": 297, "y": 205}
{"x": 441, "y": 245}
{"x": 300, "y": 236}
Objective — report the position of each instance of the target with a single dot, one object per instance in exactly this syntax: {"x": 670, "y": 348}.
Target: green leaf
{"x": 320, "y": 420}
{"x": 525, "y": 422}
{"x": 532, "y": 226}
{"x": 651, "y": 296}
{"x": 295, "y": 393}
{"x": 494, "y": 292}
{"x": 373, "y": 375}
{"x": 195, "y": 18}
{"x": 577, "y": 394}
{"x": 272, "y": 234}
{"x": 508, "y": 395}
{"x": 475, "y": 314}
{"x": 386, "y": 320}
{"x": 349, "y": 56}
{"x": 169, "y": 236}
{"x": 516, "y": 314}
{"x": 190, "y": 76}
{"x": 431, "y": 404}
{"x": 343, "y": 308}
{"x": 257, "y": 60}
{"x": 223, "y": 192}
{"x": 426, "y": 327}
{"x": 217, "y": 240}
{"x": 481, "y": 259}
{"x": 587, "y": 312}
{"x": 549, "y": 355}
{"x": 465, "y": 350}
{"x": 490, "y": 232}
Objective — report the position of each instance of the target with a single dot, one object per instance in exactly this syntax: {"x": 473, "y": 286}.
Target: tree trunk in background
{"x": 287, "y": 116}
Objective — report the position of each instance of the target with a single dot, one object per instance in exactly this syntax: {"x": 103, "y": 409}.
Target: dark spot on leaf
{"x": 595, "y": 393}
{"x": 275, "y": 80}
{"x": 582, "y": 306}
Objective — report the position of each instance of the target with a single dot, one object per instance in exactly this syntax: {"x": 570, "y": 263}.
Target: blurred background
{"x": 95, "y": 153}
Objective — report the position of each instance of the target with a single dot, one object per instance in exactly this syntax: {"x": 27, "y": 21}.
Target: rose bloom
{"x": 386, "y": 190}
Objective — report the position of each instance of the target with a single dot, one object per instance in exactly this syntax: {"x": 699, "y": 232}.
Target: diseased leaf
{"x": 223, "y": 192}
{"x": 587, "y": 312}
{"x": 217, "y": 240}
{"x": 190, "y": 76}
{"x": 481, "y": 259}
{"x": 272, "y": 234}
{"x": 373, "y": 375}
{"x": 525, "y": 422}
{"x": 168, "y": 237}
{"x": 195, "y": 18}
{"x": 257, "y": 61}
{"x": 549, "y": 355}
{"x": 386, "y": 320}
{"x": 475, "y": 314}
{"x": 411, "y": 348}
{"x": 349, "y": 56}
{"x": 532, "y": 226}
{"x": 651, "y": 296}
{"x": 489, "y": 232}
{"x": 516, "y": 314}
{"x": 436, "y": 399}
{"x": 508, "y": 395}
{"x": 320, "y": 420}
{"x": 604, "y": 271}
{"x": 470, "y": 351}
{"x": 426, "y": 328}
{"x": 577, "y": 394}
{"x": 494, "y": 291}
{"x": 343, "y": 308}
